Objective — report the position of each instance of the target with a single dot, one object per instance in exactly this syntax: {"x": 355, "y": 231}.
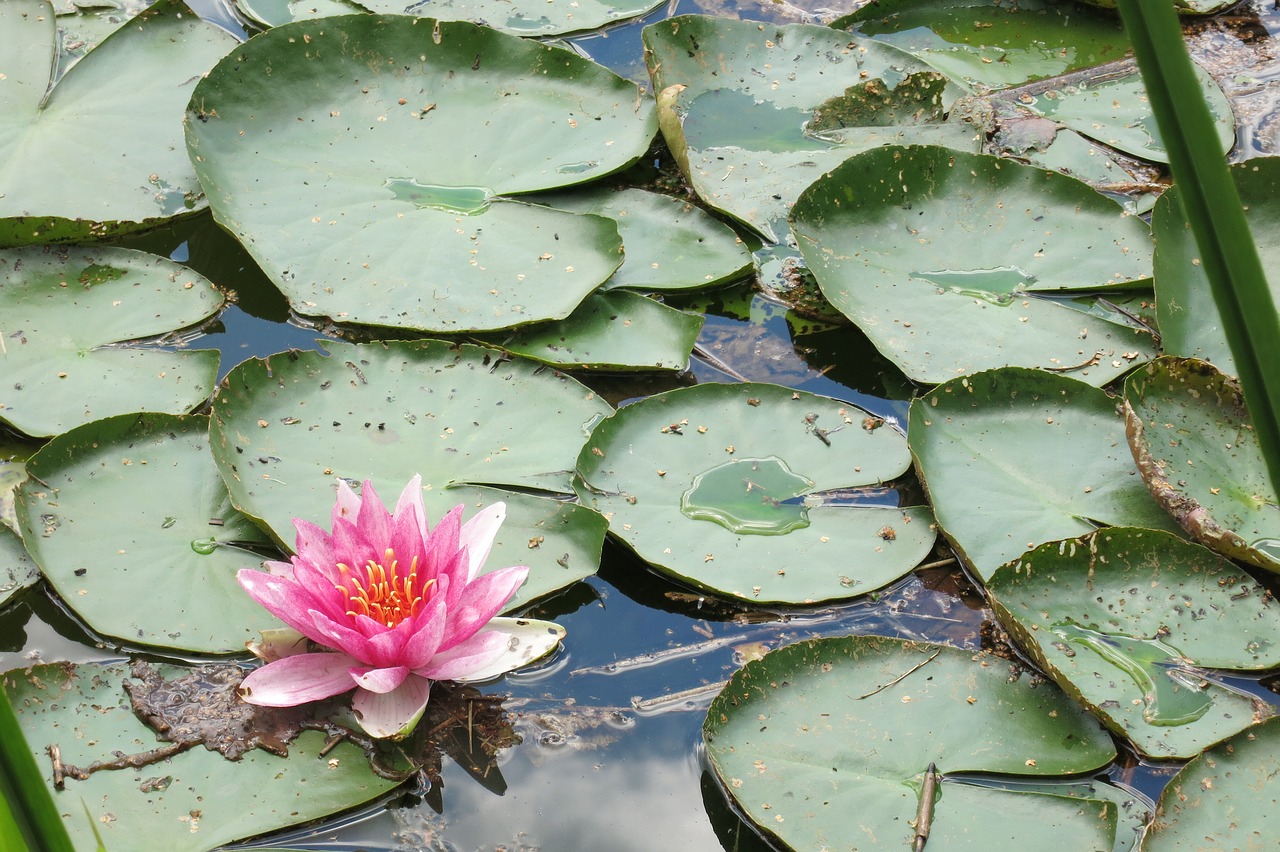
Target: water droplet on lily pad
{"x": 204, "y": 546}
{"x": 999, "y": 285}
{"x": 467, "y": 200}
{"x": 1173, "y": 694}
{"x": 757, "y": 496}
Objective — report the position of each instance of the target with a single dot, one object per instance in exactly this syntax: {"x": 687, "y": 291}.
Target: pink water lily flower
{"x": 401, "y": 605}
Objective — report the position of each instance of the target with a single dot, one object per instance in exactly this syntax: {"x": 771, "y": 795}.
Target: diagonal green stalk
{"x": 28, "y": 817}
{"x": 1227, "y": 251}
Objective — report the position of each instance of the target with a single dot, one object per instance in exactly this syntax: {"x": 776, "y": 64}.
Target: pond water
{"x": 610, "y": 728}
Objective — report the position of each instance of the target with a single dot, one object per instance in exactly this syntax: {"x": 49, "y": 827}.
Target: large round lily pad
{"x": 1015, "y": 457}
{"x": 109, "y": 127}
{"x": 64, "y": 311}
{"x": 1191, "y": 434}
{"x": 1189, "y": 321}
{"x": 723, "y": 487}
{"x": 826, "y": 744}
{"x": 193, "y": 801}
{"x": 953, "y": 263}
{"x": 477, "y": 425}
{"x": 1224, "y": 799}
{"x": 1127, "y": 621}
{"x": 755, "y": 112}
{"x": 993, "y": 44}
{"x": 17, "y": 571}
{"x": 131, "y": 525}
{"x": 364, "y": 161}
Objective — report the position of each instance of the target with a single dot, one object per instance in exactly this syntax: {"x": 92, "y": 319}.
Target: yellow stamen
{"x": 384, "y": 593}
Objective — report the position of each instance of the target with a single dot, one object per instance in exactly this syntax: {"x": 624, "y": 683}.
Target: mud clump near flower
{"x": 399, "y": 605}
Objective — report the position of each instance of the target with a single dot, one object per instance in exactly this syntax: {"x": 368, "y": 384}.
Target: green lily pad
{"x": 17, "y": 572}
{"x": 109, "y": 128}
{"x": 64, "y": 313}
{"x": 1127, "y": 620}
{"x": 82, "y": 27}
{"x": 611, "y": 330}
{"x": 195, "y": 800}
{"x": 533, "y": 18}
{"x": 1223, "y": 799}
{"x": 130, "y": 509}
{"x": 477, "y": 425}
{"x": 993, "y": 45}
{"x": 732, "y": 488}
{"x": 670, "y": 244}
{"x": 369, "y": 179}
{"x": 1189, "y": 321}
{"x": 1114, "y": 110}
{"x": 755, "y": 112}
{"x": 1014, "y": 457}
{"x": 825, "y": 744}
{"x": 1194, "y": 442}
{"x": 953, "y": 263}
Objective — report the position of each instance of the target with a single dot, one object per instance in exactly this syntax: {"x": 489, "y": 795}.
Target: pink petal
{"x": 468, "y": 656}
{"x": 298, "y": 679}
{"x": 392, "y": 714}
{"x": 336, "y": 634}
{"x": 374, "y": 520}
{"x": 282, "y": 597}
{"x": 425, "y": 640}
{"x": 480, "y": 601}
{"x": 351, "y": 548}
{"x": 442, "y": 544}
{"x": 410, "y": 506}
{"x": 379, "y": 680}
{"x": 477, "y": 536}
{"x": 314, "y": 545}
{"x": 347, "y": 504}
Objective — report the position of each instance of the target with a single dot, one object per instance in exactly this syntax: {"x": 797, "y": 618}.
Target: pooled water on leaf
{"x": 1172, "y": 694}
{"x": 467, "y": 200}
{"x": 758, "y": 496}
{"x": 999, "y": 285}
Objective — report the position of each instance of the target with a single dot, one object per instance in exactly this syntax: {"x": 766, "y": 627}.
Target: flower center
{"x": 382, "y": 592}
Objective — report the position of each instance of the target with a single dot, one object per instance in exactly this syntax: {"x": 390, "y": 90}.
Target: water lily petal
{"x": 324, "y": 594}
{"x": 347, "y": 505}
{"x": 481, "y": 599}
{"x": 277, "y": 643}
{"x": 282, "y": 597}
{"x": 462, "y": 660}
{"x": 527, "y": 640}
{"x": 279, "y": 569}
{"x": 314, "y": 545}
{"x": 428, "y": 632}
{"x": 351, "y": 548}
{"x": 410, "y": 505}
{"x": 392, "y": 714}
{"x": 379, "y": 680}
{"x": 442, "y": 544}
{"x": 298, "y": 679}
{"x": 374, "y": 520}
{"x": 338, "y": 635}
{"x": 477, "y": 536}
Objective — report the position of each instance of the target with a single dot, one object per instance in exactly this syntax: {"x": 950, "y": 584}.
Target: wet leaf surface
{"x": 827, "y": 743}
{"x": 953, "y": 263}
{"x": 1130, "y": 622}
{"x": 734, "y": 488}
